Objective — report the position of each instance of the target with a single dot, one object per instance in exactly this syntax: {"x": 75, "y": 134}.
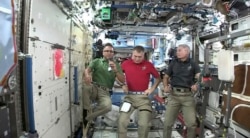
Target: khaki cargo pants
{"x": 178, "y": 101}
{"x": 143, "y": 104}
{"x": 92, "y": 94}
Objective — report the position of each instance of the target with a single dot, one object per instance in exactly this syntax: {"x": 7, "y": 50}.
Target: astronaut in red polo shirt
{"x": 137, "y": 71}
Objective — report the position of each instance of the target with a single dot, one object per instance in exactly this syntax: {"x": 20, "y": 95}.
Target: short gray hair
{"x": 185, "y": 46}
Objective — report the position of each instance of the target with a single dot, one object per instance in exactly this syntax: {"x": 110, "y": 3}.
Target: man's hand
{"x": 125, "y": 88}
{"x": 149, "y": 91}
{"x": 112, "y": 65}
{"x": 194, "y": 87}
{"x": 88, "y": 79}
{"x": 167, "y": 88}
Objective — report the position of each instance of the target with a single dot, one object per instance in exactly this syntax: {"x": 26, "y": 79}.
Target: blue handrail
{"x": 76, "y": 84}
{"x": 29, "y": 87}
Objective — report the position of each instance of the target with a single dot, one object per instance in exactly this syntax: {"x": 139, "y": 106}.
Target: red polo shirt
{"x": 138, "y": 75}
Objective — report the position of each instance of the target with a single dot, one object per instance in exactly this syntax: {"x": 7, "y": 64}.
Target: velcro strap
{"x": 183, "y": 94}
{"x": 178, "y": 89}
{"x": 136, "y": 92}
{"x": 145, "y": 110}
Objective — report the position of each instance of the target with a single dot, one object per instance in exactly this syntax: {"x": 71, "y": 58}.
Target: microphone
{"x": 110, "y": 60}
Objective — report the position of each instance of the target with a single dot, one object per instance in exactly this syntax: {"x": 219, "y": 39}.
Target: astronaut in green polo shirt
{"x": 99, "y": 78}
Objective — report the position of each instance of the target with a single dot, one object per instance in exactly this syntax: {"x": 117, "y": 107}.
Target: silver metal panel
{"x": 43, "y": 113}
{"x": 51, "y": 95}
{"x": 49, "y": 23}
{"x": 239, "y": 24}
{"x": 231, "y": 36}
{"x": 59, "y": 129}
{"x": 42, "y": 63}
{"x": 54, "y": 106}
{"x": 62, "y": 99}
{"x": 243, "y": 57}
{"x": 49, "y": 106}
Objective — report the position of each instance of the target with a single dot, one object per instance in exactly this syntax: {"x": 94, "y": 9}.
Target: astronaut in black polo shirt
{"x": 179, "y": 81}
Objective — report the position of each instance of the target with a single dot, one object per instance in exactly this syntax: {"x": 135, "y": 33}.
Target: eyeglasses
{"x": 110, "y": 51}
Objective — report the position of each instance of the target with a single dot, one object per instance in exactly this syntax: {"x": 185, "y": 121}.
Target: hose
{"x": 231, "y": 118}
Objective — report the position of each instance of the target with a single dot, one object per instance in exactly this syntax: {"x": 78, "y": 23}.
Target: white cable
{"x": 199, "y": 42}
{"x": 5, "y": 10}
{"x": 245, "y": 80}
{"x": 232, "y": 3}
{"x": 219, "y": 87}
{"x": 234, "y": 13}
{"x": 231, "y": 116}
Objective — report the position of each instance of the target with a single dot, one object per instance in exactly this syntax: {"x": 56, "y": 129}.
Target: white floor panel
{"x": 131, "y": 134}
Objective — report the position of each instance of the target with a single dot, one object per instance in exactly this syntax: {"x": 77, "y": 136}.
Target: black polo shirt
{"x": 182, "y": 73}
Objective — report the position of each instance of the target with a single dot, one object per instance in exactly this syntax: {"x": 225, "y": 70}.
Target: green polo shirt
{"x": 100, "y": 73}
